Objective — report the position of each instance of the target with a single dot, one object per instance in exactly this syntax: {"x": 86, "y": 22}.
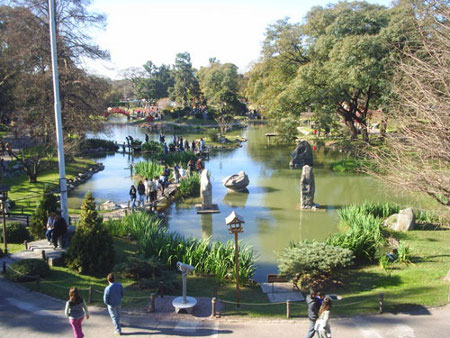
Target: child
{"x": 76, "y": 309}
{"x": 322, "y": 326}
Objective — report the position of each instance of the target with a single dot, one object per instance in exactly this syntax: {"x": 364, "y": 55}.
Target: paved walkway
{"x": 24, "y": 313}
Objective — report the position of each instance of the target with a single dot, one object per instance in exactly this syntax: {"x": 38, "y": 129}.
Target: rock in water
{"x": 302, "y": 155}
{"x": 205, "y": 189}
{"x": 307, "y": 188}
{"x": 236, "y": 182}
{"x": 109, "y": 205}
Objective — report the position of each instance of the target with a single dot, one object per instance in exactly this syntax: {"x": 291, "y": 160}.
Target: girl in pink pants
{"x": 76, "y": 309}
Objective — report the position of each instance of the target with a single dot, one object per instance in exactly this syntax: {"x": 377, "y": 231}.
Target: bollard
{"x": 43, "y": 254}
{"x": 213, "y": 307}
{"x": 381, "y": 302}
{"x": 4, "y": 267}
{"x": 152, "y": 303}
{"x": 26, "y": 245}
{"x": 90, "y": 295}
{"x": 288, "y": 309}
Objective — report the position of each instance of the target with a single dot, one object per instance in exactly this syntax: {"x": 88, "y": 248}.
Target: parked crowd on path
{"x": 76, "y": 308}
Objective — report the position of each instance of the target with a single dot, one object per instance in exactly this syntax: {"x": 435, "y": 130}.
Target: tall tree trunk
{"x": 352, "y": 129}
{"x": 365, "y": 132}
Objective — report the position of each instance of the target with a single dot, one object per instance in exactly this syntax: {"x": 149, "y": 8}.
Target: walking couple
{"x": 319, "y": 314}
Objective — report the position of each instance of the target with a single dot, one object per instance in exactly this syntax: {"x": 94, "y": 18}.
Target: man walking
{"x": 113, "y": 298}
{"x": 313, "y": 311}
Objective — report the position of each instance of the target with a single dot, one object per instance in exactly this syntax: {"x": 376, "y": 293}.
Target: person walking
{"x": 313, "y": 311}
{"x": 59, "y": 230}
{"x": 76, "y": 309}
{"x": 50, "y": 226}
{"x": 141, "y": 191}
{"x": 147, "y": 185}
{"x": 154, "y": 189}
{"x": 132, "y": 194}
{"x": 322, "y": 325}
{"x": 112, "y": 297}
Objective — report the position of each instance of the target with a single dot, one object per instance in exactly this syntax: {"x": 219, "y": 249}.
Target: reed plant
{"x": 190, "y": 186}
{"x": 148, "y": 169}
{"x": 132, "y": 225}
{"x": 363, "y": 235}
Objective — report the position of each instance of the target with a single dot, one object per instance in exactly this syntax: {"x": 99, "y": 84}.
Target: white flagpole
{"x": 58, "y": 120}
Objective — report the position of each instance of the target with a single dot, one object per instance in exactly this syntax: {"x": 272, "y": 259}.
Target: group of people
{"x": 56, "y": 229}
{"x": 319, "y": 308}
{"x": 180, "y": 144}
{"x": 76, "y": 308}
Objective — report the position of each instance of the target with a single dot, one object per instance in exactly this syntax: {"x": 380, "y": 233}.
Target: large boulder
{"x": 302, "y": 155}
{"x": 236, "y": 182}
{"x": 307, "y": 188}
{"x": 403, "y": 221}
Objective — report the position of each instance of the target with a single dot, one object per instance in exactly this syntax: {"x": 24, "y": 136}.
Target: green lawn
{"x": 26, "y": 194}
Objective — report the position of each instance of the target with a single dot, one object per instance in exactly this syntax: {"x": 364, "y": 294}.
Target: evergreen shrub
{"x": 47, "y": 203}
{"x": 27, "y": 270}
{"x": 91, "y": 251}
{"x": 16, "y": 233}
{"x": 313, "y": 259}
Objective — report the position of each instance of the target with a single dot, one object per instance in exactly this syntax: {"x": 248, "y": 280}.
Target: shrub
{"x": 183, "y": 157}
{"x": 16, "y": 233}
{"x": 313, "y": 259}
{"x": 46, "y": 204}
{"x": 190, "y": 186}
{"x": 27, "y": 270}
{"x": 137, "y": 267}
{"x": 91, "y": 251}
{"x": 364, "y": 234}
{"x": 213, "y": 135}
{"x": 148, "y": 169}
{"x": 166, "y": 283}
{"x": 95, "y": 143}
{"x": 153, "y": 148}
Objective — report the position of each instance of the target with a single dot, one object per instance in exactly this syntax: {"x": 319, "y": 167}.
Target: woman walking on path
{"x": 322, "y": 326}
{"x": 132, "y": 194}
{"x": 76, "y": 309}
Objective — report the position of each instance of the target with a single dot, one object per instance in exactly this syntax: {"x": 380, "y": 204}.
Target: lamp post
{"x": 234, "y": 222}
{"x": 4, "y": 196}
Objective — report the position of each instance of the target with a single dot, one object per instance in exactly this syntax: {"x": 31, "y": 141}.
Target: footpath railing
{"x": 290, "y": 305}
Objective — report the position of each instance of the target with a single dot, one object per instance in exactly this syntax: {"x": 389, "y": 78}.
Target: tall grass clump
{"x": 183, "y": 157}
{"x": 190, "y": 186}
{"x": 148, "y": 169}
{"x": 209, "y": 258}
{"x": 132, "y": 225}
{"x": 364, "y": 235}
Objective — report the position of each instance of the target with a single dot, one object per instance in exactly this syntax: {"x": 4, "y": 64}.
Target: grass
{"x": 26, "y": 194}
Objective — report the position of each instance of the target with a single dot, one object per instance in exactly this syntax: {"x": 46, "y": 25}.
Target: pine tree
{"x": 47, "y": 204}
{"x": 91, "y": 251}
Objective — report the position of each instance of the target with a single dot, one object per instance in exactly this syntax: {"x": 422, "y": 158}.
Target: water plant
{"x": 148, "y": 169}
{"x": 190, "y": 186}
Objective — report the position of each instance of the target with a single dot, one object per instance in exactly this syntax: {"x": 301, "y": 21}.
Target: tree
{"x": 153, "y": 83}
{"x": 333, "y": 63}
{"x": 186, "y": 88}
{"x": 91, "y": 251}
{"x": 47, "y": 204}
{"x": 220, "y": 85}
{"x": 416, "y": 157}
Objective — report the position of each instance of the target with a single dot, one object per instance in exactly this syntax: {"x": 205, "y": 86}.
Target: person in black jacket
{"x": 132, "y": 194}
{"x": 60, "y": 228}
{"x": 313, "y": 311}
{"x": 141, "y": 191}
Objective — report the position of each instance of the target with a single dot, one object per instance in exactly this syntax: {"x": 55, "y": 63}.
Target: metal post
{"x": 184, "y": 287}
{"x": 43, "y": 255}
{"x": 381, "y": 305}
{"x": 90, "y": 295}
{"x": 213, "y": 307}
{"x": 236, "y": 261}
{"x": 152, "y": 303}
{"x": 4, "y": 224}
{"x": 58, "y": 119}
{"x": 288, "y": 309}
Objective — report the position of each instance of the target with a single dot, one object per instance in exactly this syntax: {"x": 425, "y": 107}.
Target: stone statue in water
{"x": 205, "y": 189}
{"x": 307, "y": 188}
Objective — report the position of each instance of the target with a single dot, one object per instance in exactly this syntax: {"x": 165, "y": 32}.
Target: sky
{"x": 230, "y": 30}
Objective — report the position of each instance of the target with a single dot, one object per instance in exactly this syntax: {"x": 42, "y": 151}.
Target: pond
{"x": 270, "y": 208}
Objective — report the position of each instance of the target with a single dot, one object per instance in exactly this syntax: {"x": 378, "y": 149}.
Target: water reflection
{"x": 206, "y": 224}
{"x": 236, "y": 199}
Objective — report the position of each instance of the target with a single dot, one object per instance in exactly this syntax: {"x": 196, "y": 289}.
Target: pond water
{"x": 270, "y": 208}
